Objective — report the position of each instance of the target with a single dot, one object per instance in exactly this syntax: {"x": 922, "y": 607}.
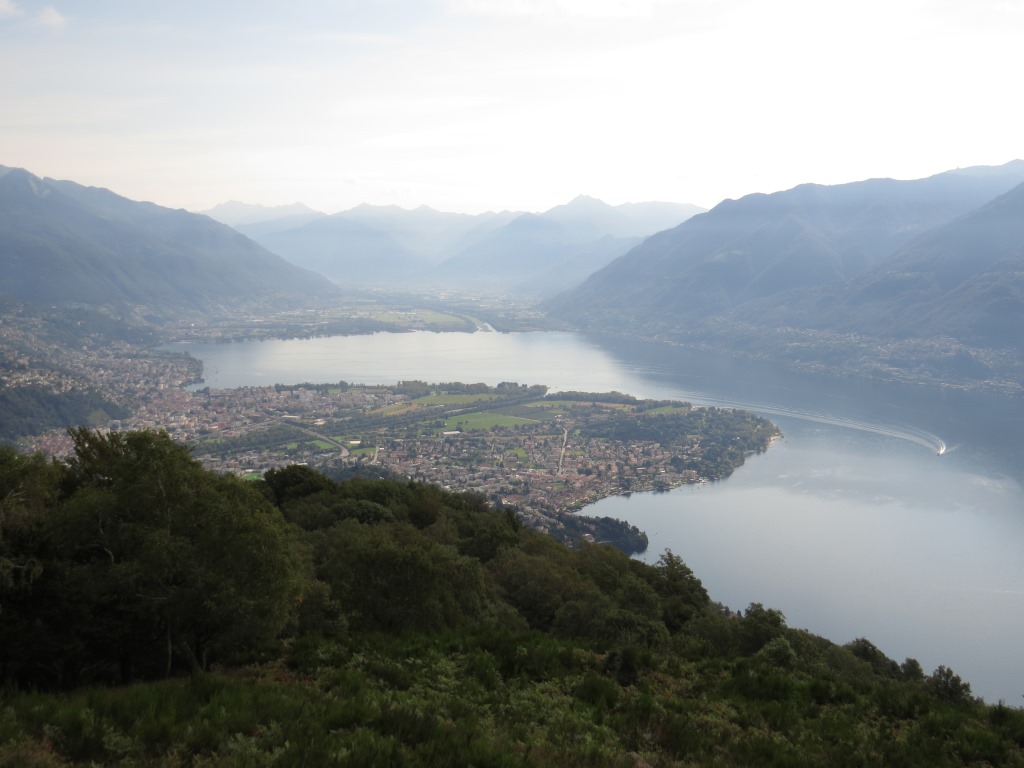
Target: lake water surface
{"x": 851, "y": 525}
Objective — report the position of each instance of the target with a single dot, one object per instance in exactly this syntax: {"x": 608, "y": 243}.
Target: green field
{"x": 485, "y": 420}
{"x": 420, "y": 318}
{"x": 441, "y": 319}
{"x": 555, "y": 406}
{"x": 443, "y": 398}
{"x": 527, "y": 411}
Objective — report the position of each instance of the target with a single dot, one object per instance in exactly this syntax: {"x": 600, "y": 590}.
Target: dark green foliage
{"x": 393, "y": 578}
{"x": 911, "y": 670}
{"x": 28, "y": 486}
{"x": 483, "y": 667}
{"x": 682, "y": 594}
{"x": 759, "y": 626}
{"x": 625, "y": 665}
{"x": 30, "y": 410}
{"x": 146, "y": 561}
{"x": 727, "y": 435}
{"x": 391, "y": 623}
{"x": 597, "y": 690}
{"x": 295, "y": 482}
{"x": 310, "y": 652}
{"x": 606, "y": 530}
{"x": 948, "y": 685}
{"x": 866, "y": 651}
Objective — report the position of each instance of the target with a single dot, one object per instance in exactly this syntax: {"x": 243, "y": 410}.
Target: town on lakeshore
{"x": 546, "y": 455}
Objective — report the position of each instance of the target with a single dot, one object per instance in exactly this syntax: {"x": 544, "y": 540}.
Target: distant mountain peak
{"x": 373, "y": 207}
{"x": 22, "y": 179}
{"x": 235, "y": 213}
{"x": 582, "y": 204}
{"x": 1011, "y": 168}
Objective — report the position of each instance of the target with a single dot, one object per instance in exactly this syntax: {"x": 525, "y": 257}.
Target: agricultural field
{"x": 421, "y": 319}
{"x": 485, "y": 421}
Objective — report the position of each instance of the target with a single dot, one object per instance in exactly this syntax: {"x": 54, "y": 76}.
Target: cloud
{"x": 601, "y": 9}
{"x": 354, "y": 38}
{"x": 47, "y": 17}
{"x": 50, "y": 17}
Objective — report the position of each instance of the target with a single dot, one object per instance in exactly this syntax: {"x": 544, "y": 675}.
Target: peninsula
{"x": 545, "y": 455}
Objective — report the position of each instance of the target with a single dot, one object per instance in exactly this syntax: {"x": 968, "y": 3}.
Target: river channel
{"x": 890, "y": 512}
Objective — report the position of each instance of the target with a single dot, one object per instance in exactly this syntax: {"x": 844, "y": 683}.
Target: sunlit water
{"x": 852, "y": 525}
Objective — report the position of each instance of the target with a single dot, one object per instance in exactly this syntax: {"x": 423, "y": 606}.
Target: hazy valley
{"x": 524, "y": 254}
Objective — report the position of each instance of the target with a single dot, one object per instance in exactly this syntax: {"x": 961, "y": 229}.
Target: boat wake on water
{"x": 914, "y": 435}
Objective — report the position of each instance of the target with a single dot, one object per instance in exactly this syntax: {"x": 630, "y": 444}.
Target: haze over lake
{"x": 851, "y": 525}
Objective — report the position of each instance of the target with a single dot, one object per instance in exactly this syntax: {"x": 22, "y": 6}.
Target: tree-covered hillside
{"x": 912, "y": 281}
{"x": 67, "y": 245}
{"x": 157, "y": 614}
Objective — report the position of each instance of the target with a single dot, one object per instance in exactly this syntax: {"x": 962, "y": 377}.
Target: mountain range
{"x": 962, "y": 279}
{"x": 794, "y": 272}
{"x": 506, "y": 252}
{"x": 63, "y": 243}
{"x": 238, "y": 214}
{"x": 373, "y": 245}
{"x": 878, "y": 275}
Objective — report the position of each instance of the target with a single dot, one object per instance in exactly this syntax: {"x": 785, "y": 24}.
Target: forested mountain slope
{"x": 964, "y": 279}
{"x": 766, "y": 245}
{"x": 832, "y": 277}
{"x": 386, "y": 623}
{"x": 62, "y": 243}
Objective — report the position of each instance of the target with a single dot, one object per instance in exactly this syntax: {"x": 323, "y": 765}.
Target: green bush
{"x": 597, "y": 691}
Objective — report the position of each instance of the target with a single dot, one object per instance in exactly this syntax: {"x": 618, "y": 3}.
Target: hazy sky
{"x": 470, "y": 105}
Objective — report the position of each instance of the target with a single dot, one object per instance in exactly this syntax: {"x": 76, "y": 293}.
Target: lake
{"x": 851, "y": 525}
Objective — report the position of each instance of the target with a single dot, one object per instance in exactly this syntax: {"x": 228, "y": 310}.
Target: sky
{"x": 474, "y": 105}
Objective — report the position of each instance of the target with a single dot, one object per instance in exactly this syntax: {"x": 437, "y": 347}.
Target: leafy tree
{"x": 296, "y": 481}
{"x": 393, "y": 577}
{"x": 148, "y": 560}
{"x": 682, "y": 594}
{"x": 759, "y": 626}
{"x": 911, "y": 670}
{"x": 867, "y": 651}
{"x": 538, "y": 583}
{"x": 949, "y": 686}
{"x": 28, "y": 486}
